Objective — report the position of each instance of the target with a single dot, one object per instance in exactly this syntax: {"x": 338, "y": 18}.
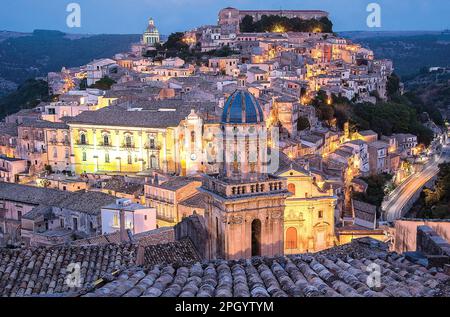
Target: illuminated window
{"x": 152, "y": 143}
{"x": 106, "y": 140}
{"x": 115, "y": 220}
{"x": 83, "y": 138}
{"x": 128, "y": 141}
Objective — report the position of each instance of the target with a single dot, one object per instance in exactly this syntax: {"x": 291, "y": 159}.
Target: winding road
{"x": 393, "y": 207}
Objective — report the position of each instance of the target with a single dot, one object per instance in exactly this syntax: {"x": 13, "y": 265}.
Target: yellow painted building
{"x": 114, "y": 140}
{"x": 120, "y": 149}
{"x": 308, "y": 214}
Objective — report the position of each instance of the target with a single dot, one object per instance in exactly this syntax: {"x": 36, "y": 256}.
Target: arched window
{"x": 256, "y": 237}
{"x": 128, "y": 141}
{"x": 83, "y": 138}
{"x": 192, "y": 141}
{"x": 291, "y": 188}
{"x": 151, "y": 142}
{"x": 291, "y": 238}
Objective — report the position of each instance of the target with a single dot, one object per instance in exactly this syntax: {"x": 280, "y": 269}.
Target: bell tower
{"x": 245, "y": 203}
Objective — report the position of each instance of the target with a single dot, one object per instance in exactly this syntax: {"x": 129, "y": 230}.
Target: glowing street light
{"x": 278, "y": 29}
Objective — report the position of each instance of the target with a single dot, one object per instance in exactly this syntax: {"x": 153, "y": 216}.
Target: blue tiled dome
{"x": 242, "y": 107}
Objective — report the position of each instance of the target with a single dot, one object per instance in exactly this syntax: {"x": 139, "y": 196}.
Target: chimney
{"x": 123, "y": 232}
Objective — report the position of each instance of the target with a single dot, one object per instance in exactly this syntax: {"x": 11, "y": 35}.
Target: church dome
{"x": 242, "y": 107}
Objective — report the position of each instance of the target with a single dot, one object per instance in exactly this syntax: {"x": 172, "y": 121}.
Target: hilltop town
{"x": 224, "y": 145}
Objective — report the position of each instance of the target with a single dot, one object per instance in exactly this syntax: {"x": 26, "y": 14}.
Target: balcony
{"x": 155, "y": 147}
{"x": 102, "y": 144}
{"x": 128, "y": 145}
{"x": 159, "y": 199}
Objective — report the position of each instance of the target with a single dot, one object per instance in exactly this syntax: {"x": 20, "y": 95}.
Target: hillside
{"x": 410, "y": 51}
{"x": 24, "y": 56}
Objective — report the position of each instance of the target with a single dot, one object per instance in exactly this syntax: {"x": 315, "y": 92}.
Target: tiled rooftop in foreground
{"x": 111, "y": 270}
{"x": 337, "y": 272}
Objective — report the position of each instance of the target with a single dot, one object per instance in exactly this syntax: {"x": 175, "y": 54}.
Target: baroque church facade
{"x": 245, "y": 203}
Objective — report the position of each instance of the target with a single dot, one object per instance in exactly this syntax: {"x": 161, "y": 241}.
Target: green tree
{"x": 27, "y": 96}
{"x": 302, "y": 124}
{"x": 246, "y": 25}
{"x": 393, "y": 85}
{"x": 104, "y": 84}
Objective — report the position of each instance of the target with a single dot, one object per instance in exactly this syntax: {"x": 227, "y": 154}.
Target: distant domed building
{"x": 151, "y": 34}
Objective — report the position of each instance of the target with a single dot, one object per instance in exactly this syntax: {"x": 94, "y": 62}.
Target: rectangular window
{"x": 75, "y": 223}
{"x": 130, "y": 159}
{"x": 106, "y": 157}
{"x": 115, "y": 220}
{"x": 84, "y": 157}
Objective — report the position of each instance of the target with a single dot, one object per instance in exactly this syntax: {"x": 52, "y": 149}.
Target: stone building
{"x": 232, "y": 17}
{"x": 155, "y": 136}
{"x": 245, "y": 204}
{"x": 11, "y": 169}
{"x": 44, "y": 216}
{"x": 165, "y": 197}
{"x": 34, "y": 140}
{"x": 57, "y": 139}
{"x": 309, "y": 212}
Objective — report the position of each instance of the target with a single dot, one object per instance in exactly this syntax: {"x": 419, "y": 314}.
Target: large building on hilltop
{"x": 245, "y": 204}
{"x": 151, "y": 34}
{"x": 232, "y": 16}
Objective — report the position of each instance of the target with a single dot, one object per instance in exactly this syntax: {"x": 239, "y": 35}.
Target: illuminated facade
{"x": 120, "y": 149}
{"x": 244, "y": 203}
{"x": 309, "y": 213}
{"x": 114, "y": 140}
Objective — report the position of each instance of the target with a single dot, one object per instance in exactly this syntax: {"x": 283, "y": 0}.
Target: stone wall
{"x": 406, "y": 232}
{"x": 436, "y": 249}
{"x": 194, "y": 228}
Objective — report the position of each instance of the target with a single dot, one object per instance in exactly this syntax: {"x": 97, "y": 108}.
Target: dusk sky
{"x": 130, "y": 16}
